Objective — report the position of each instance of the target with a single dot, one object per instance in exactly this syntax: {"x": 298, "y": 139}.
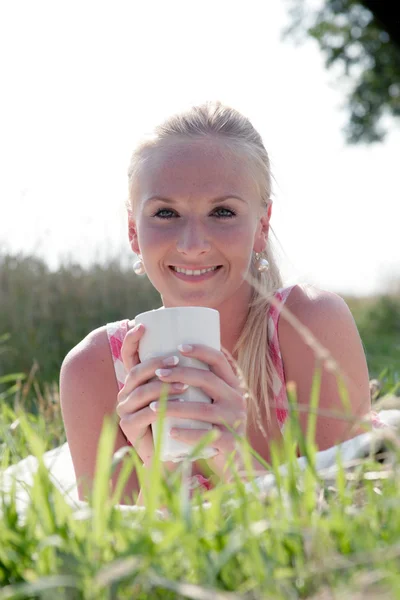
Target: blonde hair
{"x": 213, "y": 119}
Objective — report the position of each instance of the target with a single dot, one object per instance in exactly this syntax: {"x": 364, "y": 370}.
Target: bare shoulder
{"x": 326, "y": 316}
{"x": 305, "y": 297}
{"x": 89, "y": 392}
{"x": 93, "y": 350}
{"x": 88, "y": 385}
{"x": 313, "y": 306}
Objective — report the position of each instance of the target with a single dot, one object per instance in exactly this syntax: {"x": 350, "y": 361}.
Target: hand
{"x": 138, "y": 391}
{"x": 228, "y": 403}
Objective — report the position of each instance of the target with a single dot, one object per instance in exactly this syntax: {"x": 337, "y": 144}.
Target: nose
{"x": 193, "y": 239}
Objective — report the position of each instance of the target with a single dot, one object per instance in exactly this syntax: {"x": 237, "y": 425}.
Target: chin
{"x": 195, "y": 300}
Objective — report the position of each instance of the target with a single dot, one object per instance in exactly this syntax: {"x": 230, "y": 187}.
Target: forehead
{"x": 185, "y": 169}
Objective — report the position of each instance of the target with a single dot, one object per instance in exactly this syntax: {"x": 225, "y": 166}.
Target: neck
{"x": 233, "y": 314}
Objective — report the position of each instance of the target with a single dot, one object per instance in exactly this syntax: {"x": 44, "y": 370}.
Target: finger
{"x": 215, "y": 387}
{"x": 202, "y": 411}
{"x": 217, "y": 361}
{"x": 142, "y": 395}
{"x": 144, "y": 371}
{"x": 130, "y": 345}
{"x": 135, "y": 425}
{"x": 137, "y": 430}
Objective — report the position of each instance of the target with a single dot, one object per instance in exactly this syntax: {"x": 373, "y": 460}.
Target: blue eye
{"x": 228, "y": 212}
{"x": 164, "y": 210}
{"x": 166, "y": 213}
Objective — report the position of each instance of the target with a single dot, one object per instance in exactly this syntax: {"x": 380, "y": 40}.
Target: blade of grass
{"x": 314, "y": 403}
{"x": 99, "y": 497}
{"x": 125, "y": 472}
{"x": 154, "y": 474}
{"x": 24, "y": 590}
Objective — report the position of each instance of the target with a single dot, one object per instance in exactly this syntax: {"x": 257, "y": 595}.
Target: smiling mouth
{"x": 194, "y": 272}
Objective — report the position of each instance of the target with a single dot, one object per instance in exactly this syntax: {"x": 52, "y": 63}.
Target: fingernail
{"x": 171, "y": 361}
{"x": 185, "y": 347}
{"x": 138, "y": 327}
{"x": 179, "y": 387}
{"x": 153, "y": 406}
{"x": 163, "y": 372}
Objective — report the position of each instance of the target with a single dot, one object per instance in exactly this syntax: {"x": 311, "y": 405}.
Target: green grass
{"x": 309, "y": 538}
{"x": 378, "y": 321}
{"x": 39, "y": 308}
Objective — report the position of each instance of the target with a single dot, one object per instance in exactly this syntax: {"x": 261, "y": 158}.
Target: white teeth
{"x": 191, "y": 272}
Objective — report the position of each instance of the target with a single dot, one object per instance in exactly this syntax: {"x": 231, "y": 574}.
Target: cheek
{"x": 153, "y": 238}
{"x": 240, "y": 236}
{"x": 236, "y": 244}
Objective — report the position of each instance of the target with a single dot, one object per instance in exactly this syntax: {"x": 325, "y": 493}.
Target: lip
{"x": 194, "y": 267}
{"x": 195, "y": 278}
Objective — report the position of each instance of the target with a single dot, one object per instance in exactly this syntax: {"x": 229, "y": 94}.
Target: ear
{"x": 132, "y": 232}
{"x": 261, "y": 236}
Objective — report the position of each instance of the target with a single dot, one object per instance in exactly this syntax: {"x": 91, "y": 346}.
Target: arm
{"x": 88, "y": 391}
{"x": 329, "y": 319}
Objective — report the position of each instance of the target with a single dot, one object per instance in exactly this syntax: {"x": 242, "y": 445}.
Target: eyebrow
{"x": 214, "y": 201}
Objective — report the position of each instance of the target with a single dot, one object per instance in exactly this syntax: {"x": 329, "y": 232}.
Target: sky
{"x": 82, "y": 81}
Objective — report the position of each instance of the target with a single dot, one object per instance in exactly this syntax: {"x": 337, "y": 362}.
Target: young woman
{"x": 199, "y": 214}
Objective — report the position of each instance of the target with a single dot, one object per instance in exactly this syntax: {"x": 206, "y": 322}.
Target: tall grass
{"x": 378, "y": 322}
{"x": 46, "y": 313}
{"x": 312, "y": 537}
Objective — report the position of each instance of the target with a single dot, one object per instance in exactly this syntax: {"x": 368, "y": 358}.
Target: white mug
{"x": 166, "y": 328}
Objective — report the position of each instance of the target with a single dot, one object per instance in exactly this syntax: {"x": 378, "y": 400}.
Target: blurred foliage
{"x": 47, "y": 313}
{"x": 378, "y": 322}
{"x": 352, "y": 39}
{"x": 44, "y": 314}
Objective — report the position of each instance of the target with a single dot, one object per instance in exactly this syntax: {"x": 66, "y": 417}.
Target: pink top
{"x": 118, "y": 330}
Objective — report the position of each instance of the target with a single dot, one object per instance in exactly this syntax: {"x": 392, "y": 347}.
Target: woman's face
{"x": 195, "y": 207}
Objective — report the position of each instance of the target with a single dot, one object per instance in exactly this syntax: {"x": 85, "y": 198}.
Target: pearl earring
{"x": 262, "y": 263}
{"x": 138, "y": 267}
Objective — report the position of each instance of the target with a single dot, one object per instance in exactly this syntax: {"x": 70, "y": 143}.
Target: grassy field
{"x": 311, "y": 538}
{"x": 39, "y": 310}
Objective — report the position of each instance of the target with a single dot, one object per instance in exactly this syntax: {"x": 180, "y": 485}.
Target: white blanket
{"x": 372, "y": 443}
{"x": 59, "y": 464}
